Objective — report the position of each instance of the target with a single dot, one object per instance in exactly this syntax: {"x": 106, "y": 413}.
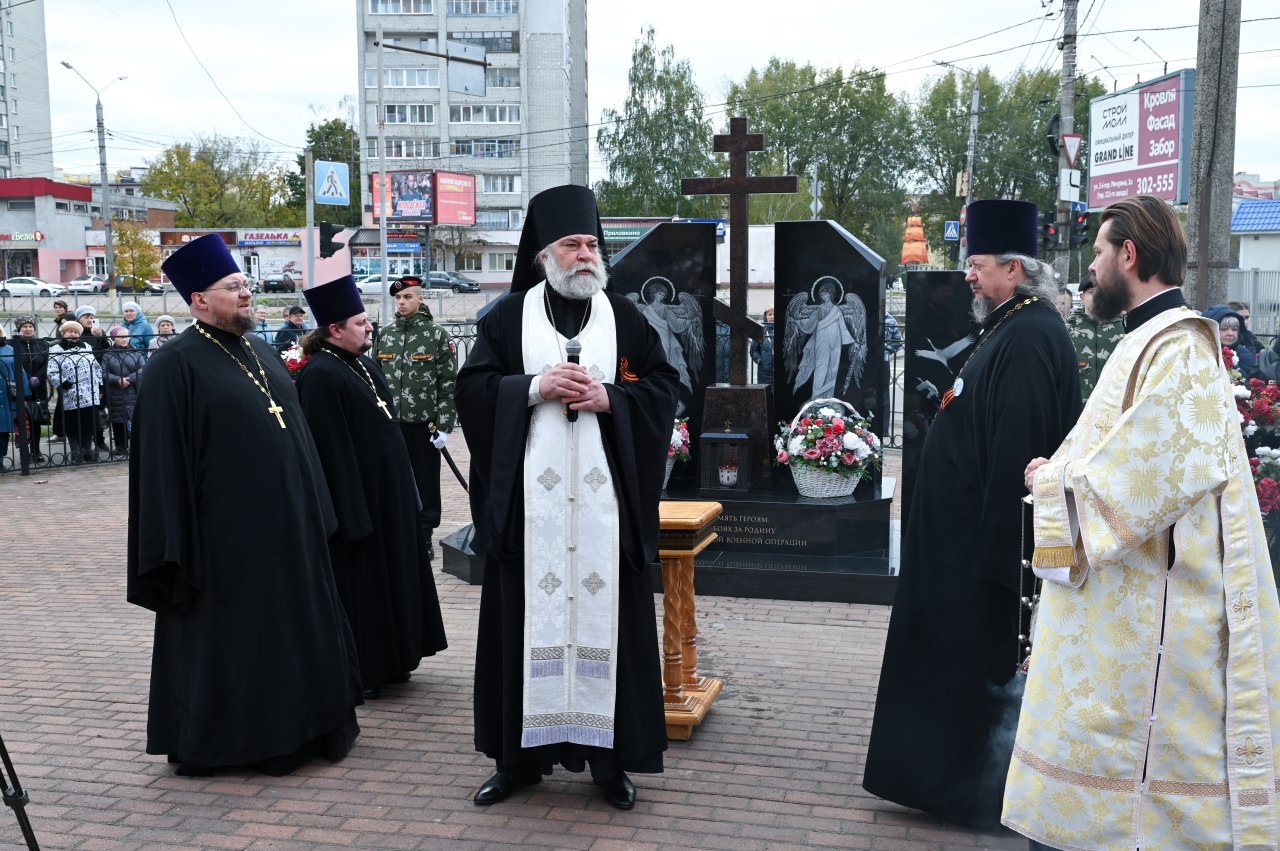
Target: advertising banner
{"x": 1140, "y": 141}
{"x": 455, "y": 198}
{"x": 409, "y": 199}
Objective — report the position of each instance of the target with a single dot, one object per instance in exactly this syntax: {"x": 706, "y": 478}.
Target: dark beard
{"x": 242, "y": 324}
{"x": 1109, "y": 301}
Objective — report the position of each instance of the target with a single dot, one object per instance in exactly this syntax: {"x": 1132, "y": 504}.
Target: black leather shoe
{"x": 500, "y": 786}
{"x": 619, "y": 791}
{"x": 372, "y": 693}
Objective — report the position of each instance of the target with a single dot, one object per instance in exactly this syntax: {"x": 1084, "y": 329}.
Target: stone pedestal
{"x": 686, "y": 530}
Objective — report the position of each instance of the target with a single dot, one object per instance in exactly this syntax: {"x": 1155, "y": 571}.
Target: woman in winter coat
{"x": 135, "y": 322}
{"x": 122, "y": 367}
{"x": 10, "y": 375}
{"x": 164, "y": 332}
{"x": 77, "y": 376}
{"x": 33, "y": 355}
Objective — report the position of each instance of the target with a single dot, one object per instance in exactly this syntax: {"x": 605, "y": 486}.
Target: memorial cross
{"x": 737, "y": 143}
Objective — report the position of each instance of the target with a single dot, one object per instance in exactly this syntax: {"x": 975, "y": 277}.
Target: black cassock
{"x": 229, "y": 517}
{"x": 493, "y": 390}
{"x": 385, "y": 583}
{"x": 947, "y": 704}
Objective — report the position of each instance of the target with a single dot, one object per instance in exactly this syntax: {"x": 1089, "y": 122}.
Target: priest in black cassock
{"x": 376, "y": 550}
{"x": 567, "y": 459}
{"x": 253, "y": 663}
{"x": 947, "y": 704}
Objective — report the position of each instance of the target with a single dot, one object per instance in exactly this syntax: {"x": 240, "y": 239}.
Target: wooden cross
{"x": 737, "y": 143}
{"x": 274, "y": 408}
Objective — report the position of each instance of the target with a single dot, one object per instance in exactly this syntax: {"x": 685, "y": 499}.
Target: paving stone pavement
{"x": 776, "y": 765}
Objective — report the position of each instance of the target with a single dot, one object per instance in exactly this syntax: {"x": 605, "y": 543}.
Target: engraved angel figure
{"x": 822, "y": 325}
{"x": 678, "y": 321}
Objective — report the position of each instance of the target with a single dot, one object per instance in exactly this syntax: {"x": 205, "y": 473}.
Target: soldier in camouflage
{"x": 1094, "y": 340}
{"x": 420, "y": 363}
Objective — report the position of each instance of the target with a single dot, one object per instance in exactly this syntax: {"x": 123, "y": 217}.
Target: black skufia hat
{"x": 334, "y": 302}
{"x": 1002, "y": 227}
{"x": 553, "y": 214}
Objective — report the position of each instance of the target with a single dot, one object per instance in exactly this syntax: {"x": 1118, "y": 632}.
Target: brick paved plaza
{"x": 777, "y": 763}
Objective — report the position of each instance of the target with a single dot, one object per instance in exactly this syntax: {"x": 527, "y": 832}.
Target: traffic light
{"x": 1079, "y": 230}
{"x": 328, "y": 245}
{"x": 1048, "y": 230}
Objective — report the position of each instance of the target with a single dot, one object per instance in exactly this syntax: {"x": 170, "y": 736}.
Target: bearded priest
{"x": 567, "y": 460}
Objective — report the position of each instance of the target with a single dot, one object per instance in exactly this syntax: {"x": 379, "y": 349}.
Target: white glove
{"x": 440, "y": 439}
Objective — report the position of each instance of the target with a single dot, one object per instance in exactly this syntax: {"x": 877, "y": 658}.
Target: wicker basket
{"x": 671, "y": 463}
{"x": 822, "y": 484}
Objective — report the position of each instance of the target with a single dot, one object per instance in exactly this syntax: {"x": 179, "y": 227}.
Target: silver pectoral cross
{"x": 274, "y": 408}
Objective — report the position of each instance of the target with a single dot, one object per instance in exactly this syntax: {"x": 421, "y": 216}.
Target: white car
{"x": 371, "y": 284}
{"x": 88, "y": 284}
{"x": 30, "y": 287}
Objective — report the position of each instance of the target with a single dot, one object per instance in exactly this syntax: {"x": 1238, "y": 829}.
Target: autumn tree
{"x": 217, "y": 181}
{"x": 136, "y": 252}
{"x": 659, "y": 137}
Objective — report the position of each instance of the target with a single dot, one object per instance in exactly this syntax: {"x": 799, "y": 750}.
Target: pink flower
{"x": 847, "y": 458}
{"x": 829, "y": 446}
{"x": 838, "y": 426}
{"x": 812, "y": 454}
{"x": 671, "y": 452}
{"x": 783, "y": 457}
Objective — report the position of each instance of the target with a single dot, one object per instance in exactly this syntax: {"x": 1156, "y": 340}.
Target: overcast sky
{"x": 266, "y": 69}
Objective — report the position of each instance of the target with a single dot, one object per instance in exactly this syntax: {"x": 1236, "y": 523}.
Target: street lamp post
{"x": 974, "y": 103}
{"x": 1153, "y": 50}
{"x": 102, "y": 170}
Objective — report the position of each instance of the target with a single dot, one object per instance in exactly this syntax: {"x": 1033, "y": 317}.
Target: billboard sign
{"x": 1140, "y": 141}
{"x": 455, "y": 196}
{"x": 410, "y": 198}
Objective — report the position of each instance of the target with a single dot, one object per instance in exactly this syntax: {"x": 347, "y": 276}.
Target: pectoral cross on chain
{"x": 382, "y": 404}
{"x": 275, "y": 408}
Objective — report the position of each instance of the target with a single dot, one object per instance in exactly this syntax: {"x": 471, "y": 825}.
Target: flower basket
{"x": 678, "y": 448}
{"x": 671, "y": 463}
{"x": 829, "y": 447}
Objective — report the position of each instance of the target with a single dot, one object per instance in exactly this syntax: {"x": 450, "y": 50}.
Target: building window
{"x": 4, "y": 149}
{"x": 486, "y": 148}
{"x": 411, "y": 113}
{"x": 501, "y": 183}
{"x": 494, "y": 42}
{"x": 13, "y": 106}
{"x": 4, "y": 171}
{"x": 484, "y": 7}
{"x": 481, "y": 113}
{"x": 502, "y": 78}
{"x": 504, "y": 262}
{"x": 22, "y": 203}
{"x": 407, "y": 149}
{"x": 62, "y": 206}
{"x": 77, "y": 207}
{"x": 95, "y": 211}
{"x": 13, "y": 80}
{"x": 431, "y": 42}
{"x": 8, "y": 27}
{"x": 12, "y": 57}
{"x": 402, "y": 7}
{"x": 469, "y": 263}
{"x": 403, "y": 78}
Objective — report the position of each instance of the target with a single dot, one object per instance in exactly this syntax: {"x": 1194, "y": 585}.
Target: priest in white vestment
{"x": 1152, "y": 704}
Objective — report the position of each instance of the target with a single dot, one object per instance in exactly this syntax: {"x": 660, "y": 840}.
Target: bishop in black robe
{"x": 229, "y": 517}
{"x": 493, "y": 406}
{"x": 376, "y": 551}
{"x": 947, "y": 704}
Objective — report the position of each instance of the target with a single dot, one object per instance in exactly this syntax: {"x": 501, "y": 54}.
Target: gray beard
{"x": 571, "y": 285}
{"x": 981, "y": 308}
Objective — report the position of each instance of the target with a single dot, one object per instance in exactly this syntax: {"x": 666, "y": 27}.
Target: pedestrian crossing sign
{"x": 951, "y": 231}
{"x": 332, "y": 180}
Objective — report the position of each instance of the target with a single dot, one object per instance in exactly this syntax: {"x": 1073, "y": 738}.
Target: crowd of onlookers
{"x": 75, "y": 382}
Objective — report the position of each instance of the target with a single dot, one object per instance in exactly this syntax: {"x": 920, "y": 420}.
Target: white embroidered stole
{"x": 571, "y": 546}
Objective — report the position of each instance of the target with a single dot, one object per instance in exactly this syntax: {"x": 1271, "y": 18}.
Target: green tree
{"x": 334, "y": 140}
{"x": 659, "y": 137}
{"x": 135, "y": 250}
{"x": 221, "y": 182}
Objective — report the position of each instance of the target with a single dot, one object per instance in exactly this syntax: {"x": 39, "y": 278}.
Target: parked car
{"x": 371, "y": 284}
{"x": 454, "y": 281}
{"x": 24, "y": 286}
{"x": 278, "y": 282}
{"x": 132, "y": 284}
{"x": 87, "y": 284}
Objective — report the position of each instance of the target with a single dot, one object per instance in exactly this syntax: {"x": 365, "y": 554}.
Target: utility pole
{"x": 1067, "y": 109}
{"x": 1213, "y": 148}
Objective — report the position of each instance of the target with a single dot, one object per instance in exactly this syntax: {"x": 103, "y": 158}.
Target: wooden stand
{"x": 686, "y": 530}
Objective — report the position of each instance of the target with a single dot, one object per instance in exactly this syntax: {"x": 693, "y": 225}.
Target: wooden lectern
{"x": 685, "y": 532}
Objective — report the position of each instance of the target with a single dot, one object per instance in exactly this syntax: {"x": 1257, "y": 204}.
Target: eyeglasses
{"x": 234, "y": 288}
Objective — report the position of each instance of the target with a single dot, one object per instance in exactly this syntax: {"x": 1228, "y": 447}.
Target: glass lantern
{"x": 725, "y": 464}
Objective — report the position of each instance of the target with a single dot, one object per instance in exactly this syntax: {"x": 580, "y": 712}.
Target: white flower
{"x": 861, "y": 451}
{"x": 826, "y": 413}
{"x": 1251, "y": 429}
{"x": 796, "y": 446}
{"x": 1241, "y": 392}
{"x": 849, "y": 440}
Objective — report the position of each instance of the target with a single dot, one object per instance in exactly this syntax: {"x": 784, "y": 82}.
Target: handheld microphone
{"x": 572, "y": 351}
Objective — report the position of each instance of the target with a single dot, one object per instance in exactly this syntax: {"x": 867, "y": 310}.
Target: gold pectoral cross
{"x": 274, "y": 408}
{"x": 382, "y": 404}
